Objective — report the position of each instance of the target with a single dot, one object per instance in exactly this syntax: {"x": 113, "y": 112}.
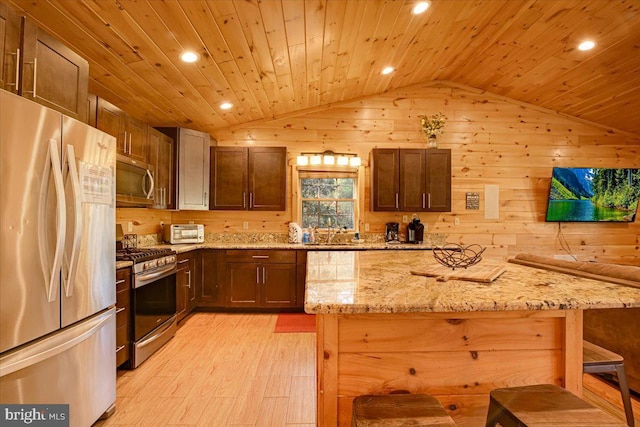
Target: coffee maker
{"x": 415, "y": 230}
{"x": 392, "y": 232}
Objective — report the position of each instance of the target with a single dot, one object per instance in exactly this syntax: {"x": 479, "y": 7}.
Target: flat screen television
{"x": 593, "y": 194}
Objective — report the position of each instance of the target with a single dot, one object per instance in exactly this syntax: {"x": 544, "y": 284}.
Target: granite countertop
{"x": 381, "y": 282}
{"x": 182, "y": 248}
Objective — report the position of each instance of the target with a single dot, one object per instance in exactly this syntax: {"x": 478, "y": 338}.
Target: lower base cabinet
{"x": 186, "y": 284}
{"x": 123, "y": 314}
{"x": 211, "y": 266}
{"x": 261, "y": 278}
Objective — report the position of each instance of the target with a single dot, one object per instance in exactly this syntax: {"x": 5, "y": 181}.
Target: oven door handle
{"x": 145, "y": 279}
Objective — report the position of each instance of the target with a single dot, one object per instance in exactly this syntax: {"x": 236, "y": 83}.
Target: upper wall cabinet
{"x": 10, "y": 48}
{"x": 162, "y": 158}
{"x": 40, "y": 67}
{"x": 130, "y": 133}
{"x": 52, "y": 74}
{"x": 193, "y": 167}
{"x": 411, "y": 180}
{"x": 252, "y": 178}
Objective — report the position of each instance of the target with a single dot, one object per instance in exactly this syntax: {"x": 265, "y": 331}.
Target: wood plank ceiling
{"x": 275, "y": 57}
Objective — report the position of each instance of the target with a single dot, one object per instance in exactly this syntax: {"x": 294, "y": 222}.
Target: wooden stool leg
{"x": 624, "y": 390}
{"x": 499, "y": 416}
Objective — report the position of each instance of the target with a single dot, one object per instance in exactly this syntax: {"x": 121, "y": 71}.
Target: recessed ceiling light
{"x": 226, "y": 105}
{"x": 387, "y": 70}
{"x": 421, "y": 7}
{"x": 587, "y": 45}
{"x": 189, "y": 56}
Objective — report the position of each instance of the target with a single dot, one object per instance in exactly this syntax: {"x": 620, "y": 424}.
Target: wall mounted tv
{"x": 593, "y": 194}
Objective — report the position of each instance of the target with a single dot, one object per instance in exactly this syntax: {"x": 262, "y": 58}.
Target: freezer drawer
{"x": 76, "y": 366}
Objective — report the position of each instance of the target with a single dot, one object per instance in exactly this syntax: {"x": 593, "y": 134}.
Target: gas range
{"x": 147, "y": 260}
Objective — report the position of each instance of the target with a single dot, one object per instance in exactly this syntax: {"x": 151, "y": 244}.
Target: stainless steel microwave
{"x": 134, "y": 182}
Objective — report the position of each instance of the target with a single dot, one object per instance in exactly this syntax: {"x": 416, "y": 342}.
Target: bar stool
{"x": 393, "y": 410}
{"x": 596, "y": 360}
{"x": 544, "y": 405}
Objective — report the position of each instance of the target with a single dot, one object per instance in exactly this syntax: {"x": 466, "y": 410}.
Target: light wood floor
{"x": 222, "y": 370}
{"x": 232, "y": 370}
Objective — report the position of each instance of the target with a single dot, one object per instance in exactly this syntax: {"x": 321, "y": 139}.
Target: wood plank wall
{"x": 494, "y": 140}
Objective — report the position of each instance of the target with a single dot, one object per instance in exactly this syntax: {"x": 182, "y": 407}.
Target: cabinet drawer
{"x": 122, "y": 316}
{"x": 262, "y": 256}
{"x": 122, "y": 345}
{"x": 123, "y": 279}
{"x": 122, "y": 335}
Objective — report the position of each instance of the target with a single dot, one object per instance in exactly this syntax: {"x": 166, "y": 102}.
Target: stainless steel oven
{"x": 153, "y": 301}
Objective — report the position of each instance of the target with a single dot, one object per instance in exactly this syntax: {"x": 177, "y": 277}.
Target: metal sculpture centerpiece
{"x": 456, "y": 256}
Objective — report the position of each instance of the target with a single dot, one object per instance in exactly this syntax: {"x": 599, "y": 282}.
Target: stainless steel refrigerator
{"x": 57, "y": 261}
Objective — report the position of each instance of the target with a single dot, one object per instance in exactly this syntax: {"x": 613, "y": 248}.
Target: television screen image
{"x": 593, "y": 194}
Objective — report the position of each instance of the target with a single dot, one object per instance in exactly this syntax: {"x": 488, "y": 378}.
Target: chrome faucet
{"x": 330, "y": 235}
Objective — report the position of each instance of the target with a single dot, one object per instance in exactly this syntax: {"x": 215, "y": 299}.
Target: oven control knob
{"x": 161, "y": 262}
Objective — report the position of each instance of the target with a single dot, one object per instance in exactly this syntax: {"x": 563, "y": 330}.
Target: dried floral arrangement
{"x": 432, "y": 125}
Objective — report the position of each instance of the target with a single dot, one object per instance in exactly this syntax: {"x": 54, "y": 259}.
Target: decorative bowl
{"x": 456, "y": 256}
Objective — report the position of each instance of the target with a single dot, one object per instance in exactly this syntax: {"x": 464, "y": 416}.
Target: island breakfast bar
{"x": 382, "y": 329}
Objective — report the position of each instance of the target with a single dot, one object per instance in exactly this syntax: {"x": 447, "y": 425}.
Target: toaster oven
{"x": 183, "y": 233}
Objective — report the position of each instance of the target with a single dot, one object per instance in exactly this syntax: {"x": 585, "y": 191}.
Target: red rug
{"x": 295, "y": 322}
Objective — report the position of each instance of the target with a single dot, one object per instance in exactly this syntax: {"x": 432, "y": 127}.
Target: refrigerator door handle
{"x": 77, "y": 206}
{"x": 53, "y": 162}
{"x": 54, "y": 345}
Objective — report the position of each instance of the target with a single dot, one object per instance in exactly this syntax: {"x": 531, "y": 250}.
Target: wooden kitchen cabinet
{"x": 210, "y": 266}
{"x": 185, "y": 284}
{"x": 10, "y": 48}
{"x": 192, "y": 167}
{"x": 130, "y": 133}
{"x": 52, "y": 74}
{"x": 411, "y": 180}
{"x": 162, "y": 158}
{"x": 260, "y": 278}
{"x": 253, "y": 178}
{"x": 123, "y": 316}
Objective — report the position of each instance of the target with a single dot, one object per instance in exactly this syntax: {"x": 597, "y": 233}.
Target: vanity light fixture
{"x": 328, "y": 158}
{"x": 388, "y": 70}
{"x": 189, "y": 56}
{"x": 420, "y": 7}
{"x": 587, "y": 45}
{"x": 226, "y": 105}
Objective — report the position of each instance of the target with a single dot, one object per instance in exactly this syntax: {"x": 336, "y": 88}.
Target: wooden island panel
{"x": 456, "y": 357}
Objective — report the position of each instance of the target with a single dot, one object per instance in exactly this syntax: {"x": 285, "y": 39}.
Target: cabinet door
{"x": 10, "y": 35}
{"x": 278, "y": 285}
{"x": 161, "y": 157}
{"x": 193, "y": 170}
{"x": 413, "y": 193}
{"x": 192, "y": 284}
{"x": 228, "y": 178}
{"x": 136, "y": 134}
{"x": 182, "y": 284}
{"x": 52, "y": 74}
{"x": 243, "y": 289}
{"x": 385, "y": 186}
{"x": 111, "y": 119}
{"x": 438, "y": 180}
{"x": 210, "y": 292}
{"x": 267, "y": 178}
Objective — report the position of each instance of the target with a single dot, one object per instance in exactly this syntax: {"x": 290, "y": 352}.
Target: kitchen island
{"x": 382, "y": 329}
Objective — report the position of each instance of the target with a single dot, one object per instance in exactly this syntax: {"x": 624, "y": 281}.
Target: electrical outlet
{"x": 366, "y": 226}
{"x": 190, "y": 222}
{"x": 405, "y": 218}
{"x": 245, "y": 225}
{"x": 456, "y": 221}
{"x": 426, "y": 227}
{"x": 129, "y": 227}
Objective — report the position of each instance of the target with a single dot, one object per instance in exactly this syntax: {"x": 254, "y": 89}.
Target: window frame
{"x": 353, "y": 174}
